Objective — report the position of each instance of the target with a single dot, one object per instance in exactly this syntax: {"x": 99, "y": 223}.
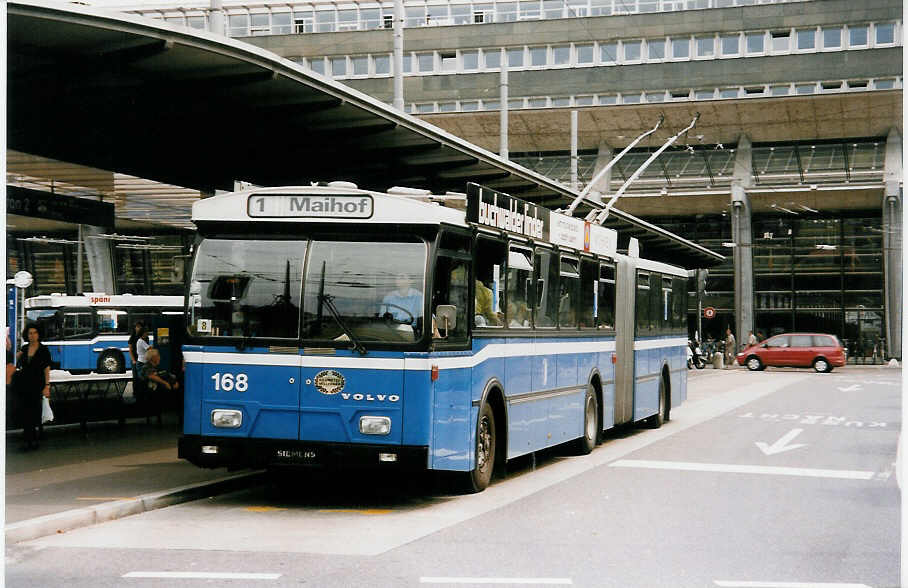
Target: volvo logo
{"x": 329, "y": 382}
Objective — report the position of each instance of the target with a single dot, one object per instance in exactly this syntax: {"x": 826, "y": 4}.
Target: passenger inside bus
{"x": 485, "y": 313}
{"x": 518, "y": 315}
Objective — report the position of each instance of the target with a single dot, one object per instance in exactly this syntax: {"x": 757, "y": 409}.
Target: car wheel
{"x": 754, "y": 364}
{"x": 820, "y": 365}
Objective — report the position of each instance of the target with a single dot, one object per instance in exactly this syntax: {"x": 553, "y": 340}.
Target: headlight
{"x": 374, "y": 425}
{"x": 226, "y": 419}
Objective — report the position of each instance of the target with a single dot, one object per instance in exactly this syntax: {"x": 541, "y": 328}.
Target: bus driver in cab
{"x": 405, "y": 303}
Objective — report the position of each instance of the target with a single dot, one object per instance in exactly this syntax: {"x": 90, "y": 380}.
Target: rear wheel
{"x": 485, "y": 450}
{"x": 656, "y": 421}
{"x": 587, "y": 443}
{"x": 821, "y": 365}
{"x": 111, "y": 362}
{"x": 754, "y": 364}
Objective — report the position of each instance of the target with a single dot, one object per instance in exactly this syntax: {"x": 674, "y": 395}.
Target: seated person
{"x": 485, "y": 315}
{"x": 518, "y": 315}
{"x": 403, "y": 304}
{"x": 155, "y": 377}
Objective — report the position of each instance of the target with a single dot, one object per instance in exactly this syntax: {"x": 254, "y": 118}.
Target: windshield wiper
{"x": 328, "y": 301}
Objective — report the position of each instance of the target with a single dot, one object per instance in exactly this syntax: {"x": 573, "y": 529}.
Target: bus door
{"x": 624, "y": 341}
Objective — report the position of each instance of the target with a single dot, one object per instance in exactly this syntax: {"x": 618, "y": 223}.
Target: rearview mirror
{"x": 446, "y": 316}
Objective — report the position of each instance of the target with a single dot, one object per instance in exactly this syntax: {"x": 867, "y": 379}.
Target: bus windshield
{"x": 372, "y": 291}
{"x": 49, "y": 321}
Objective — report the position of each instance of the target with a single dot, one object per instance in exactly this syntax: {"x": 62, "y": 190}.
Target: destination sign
{"x": 498, "y": 210}
{"x": 343, "y": 206}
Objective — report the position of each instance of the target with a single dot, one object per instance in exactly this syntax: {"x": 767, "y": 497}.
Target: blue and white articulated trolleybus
{"x": 90, "y": 332}
{"x": 332, "y": 326}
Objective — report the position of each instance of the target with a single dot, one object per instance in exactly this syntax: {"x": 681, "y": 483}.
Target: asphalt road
{"x": 770, "y": 479}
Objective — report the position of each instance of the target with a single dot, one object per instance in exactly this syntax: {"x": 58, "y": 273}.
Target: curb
{"x": 82, "y": 517}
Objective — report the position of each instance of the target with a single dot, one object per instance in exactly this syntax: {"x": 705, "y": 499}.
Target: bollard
{"x": 718, "y": 361}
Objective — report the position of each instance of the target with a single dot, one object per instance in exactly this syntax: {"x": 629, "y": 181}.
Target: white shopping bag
{"x": 47, "y": 415}
{"x": 129, "y": 397}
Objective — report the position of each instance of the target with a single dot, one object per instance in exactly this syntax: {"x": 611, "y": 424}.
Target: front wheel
{"x": 754, "y": 364}
{"x": 485, "y": 450}
{"x": 820, "y": 365}
{"x": 700, "y": 363}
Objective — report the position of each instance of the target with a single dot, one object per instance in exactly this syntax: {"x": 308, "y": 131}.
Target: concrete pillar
{"x": 892, "y": 243}
{"x": 742, "y": 236}
{"x": 99, "y": 253}
{"x": 603, "y": 186}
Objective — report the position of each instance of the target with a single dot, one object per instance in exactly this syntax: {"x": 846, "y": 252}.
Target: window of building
{"x": 347, "y": 20}
{"x": 608, "y": 99}
{"x": 755, "y": 42}
{"x": 515, "y": 57}
{"x": 584, "y": 53}
{"x": 199, "y": 23}
{"x": 807, "y": 39}
{"x": 631, "y": 98}
{"x": 706, "y": 46}
{"x": 537, "y": 102}
{"x": 884, "y": 84}
{"x": 561, "y": 101}
{"x": 448, "y": 60}
{"x": 382, "y": 64}
{"x": 538, "y": 55}
{"x": 238, "y": 25}
{"x": 338, "y": 66}
{"x": 553, "y": 8}
{"x": 425, "y": 107}
{"x": 832, "y": 37}
{"x": 515, "y": 103}
{"x": 728, "y": 93}
{"x": 470, "y": 60}
{"x": 491, "y": 104}
{"x": 600, "y": 7}
{"x": 779, "y": 90}
{"x": 857, "y": 36}
{"x": 407, "y": 64}
{"x": 655, "y": 49}
{"x": 561, "y": 55}
{"x": 370, "y": 18}
{"x": 317, "y": 64}
{"x": 469, "y": 105}
{"x": 303, "y": 22}
{"x": 608, "y": 53}
{"x": 425, "y": 62}
{"x": 680, "y": 48}
{"x": 704, "y": 94}
{"x": 460, "y": 14}
{"x": 437, "y": 14}
{"x": 754, "y": 91}
{"x": 781, "y": 41}
{"x": 492, "y": 58}
{"x": 414, "y": 16}
{"x": 530, "y": 10}
{"x": 805, "y": 88}
{"x": 360, "y": 65}
{"x": 447, "y": 106}
{"x": 505, "y": 11}
{"x": 655, "y": 96}
{"x": 280, "y": 23}
{"x": 730, "y": 45}
{"x": 885, "y": 33}
{"x": 583, "y": 100}
{"x": 325, "y": 21}
{"x": 857, "y": 84}
{"x": 831, "y": 86}
{"x": 632, "y": 50}
{"x": 680, "y": 94}
{"x": 260, "y": 24}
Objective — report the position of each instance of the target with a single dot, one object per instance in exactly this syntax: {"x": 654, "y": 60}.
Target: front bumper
{"x": 237, "y": 453}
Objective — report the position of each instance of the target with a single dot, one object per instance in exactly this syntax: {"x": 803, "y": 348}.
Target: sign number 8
{"x": 228, "y": 382}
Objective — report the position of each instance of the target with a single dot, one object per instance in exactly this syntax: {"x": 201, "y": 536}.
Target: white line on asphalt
{"x": 546, "y": 581}
{"x": 203, "y": 575}
{"x": 733, "y": 584}
{"x": 742, "y": 469}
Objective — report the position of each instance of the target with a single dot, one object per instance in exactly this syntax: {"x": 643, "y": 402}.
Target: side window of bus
{"x": 569, "y": 285}
{"x": 665, "y": 312}
{"x": 450, "y": 287}
{"x": 586, "y": 312}
{"x": 606, "y": 298}
{"x": 77, "y": 324}
{"x": 112, "y": 321}
{"x": 489, "y": 292}
{"x": 146, "y": 318}
{"x": 642, "y": 303}
{"x": 655, "y": 302}
{"x": 679, "y": 305}
{"x": 547, "y": 294}
{"x": 519, "y": 287}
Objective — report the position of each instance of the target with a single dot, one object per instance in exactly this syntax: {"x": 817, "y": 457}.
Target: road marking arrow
{"x": 851, "y": 388}
{"x": 781, "y": 445}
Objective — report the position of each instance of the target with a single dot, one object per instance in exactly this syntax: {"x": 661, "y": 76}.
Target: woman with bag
{"x": 32, "y": 383}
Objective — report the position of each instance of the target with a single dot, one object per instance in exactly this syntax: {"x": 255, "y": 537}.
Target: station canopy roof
{"x": 187, "y": 108}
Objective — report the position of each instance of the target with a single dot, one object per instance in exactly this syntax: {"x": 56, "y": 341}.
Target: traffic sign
{"x": 709, "y": 312}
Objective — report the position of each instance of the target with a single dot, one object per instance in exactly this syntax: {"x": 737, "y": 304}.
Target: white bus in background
{"x": 90, "y": 332}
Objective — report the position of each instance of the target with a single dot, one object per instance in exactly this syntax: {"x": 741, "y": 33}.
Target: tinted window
{"x": 547, "y": 294}
{"x": 642, "y": 302}
{"x": 824, "y": 341}
{"x": 589, "y": 271}
{"x": 606, "y": 301}
{"x": 569, "y": 286}
{"x": 801, "y": 341}
{"x": 78, "y": 324}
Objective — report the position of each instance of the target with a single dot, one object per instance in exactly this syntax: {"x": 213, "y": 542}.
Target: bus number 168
{"x": 228, "y": 382}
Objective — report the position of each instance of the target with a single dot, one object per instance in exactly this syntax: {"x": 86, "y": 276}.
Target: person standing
{"x": 142, "y": 347}
{"x": 137, "y": 329}
{"x": 32, "y": 382}
{"x": 751, "y": 339}
{"x": 729, "y": 347}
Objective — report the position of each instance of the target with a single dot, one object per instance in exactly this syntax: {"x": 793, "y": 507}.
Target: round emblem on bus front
{"x": 329, "y": 382}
